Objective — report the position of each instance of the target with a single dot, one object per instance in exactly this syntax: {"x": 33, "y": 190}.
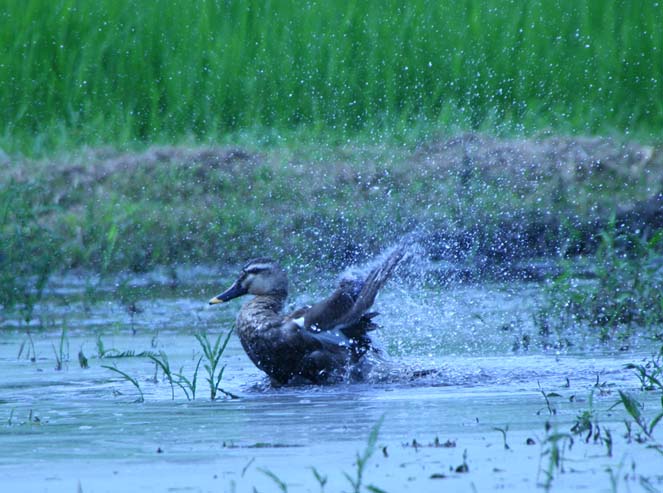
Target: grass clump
{"x": 626, "y": 291}
{"x": 212, "y": 351}
{"x": 107, "y": 353}
{"x": 28, "y": 347}
{"x": 188, "y": 385}
{"x": 650, "y": 373}
{"x": 357, "y": 478}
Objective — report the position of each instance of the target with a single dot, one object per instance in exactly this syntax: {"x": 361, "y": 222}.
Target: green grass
{"x": 121, "y": 71}
{"x": 624, "y": 297}
{"x": 213, "y": 352}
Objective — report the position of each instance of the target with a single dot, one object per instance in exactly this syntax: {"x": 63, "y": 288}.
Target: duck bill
{"x": 234, "y": 291}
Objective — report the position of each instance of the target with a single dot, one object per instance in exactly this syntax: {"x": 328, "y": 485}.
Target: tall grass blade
{"x": 128, "y": 378}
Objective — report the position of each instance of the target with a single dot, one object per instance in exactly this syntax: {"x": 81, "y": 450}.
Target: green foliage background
{"x": 79, "y": 71}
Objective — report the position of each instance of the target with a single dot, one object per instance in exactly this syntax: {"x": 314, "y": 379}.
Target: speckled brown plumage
{"x": 324, "y": 343}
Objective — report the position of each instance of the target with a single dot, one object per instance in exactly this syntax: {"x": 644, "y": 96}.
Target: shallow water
{"x": 82, "y": 428}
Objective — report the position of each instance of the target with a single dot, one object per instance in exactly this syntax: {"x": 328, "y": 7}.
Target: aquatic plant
{"x": 161, "y": 361}
{"x": 128, "y": 297}
{"x": 584, "y": 419}
{"x": 320, "y": 478}
{"x": 503, "y": 431}
{"x": 650, "y": 373}
{"x": 647, "y": 484}
{"x": 587, "y": 423}
{"x": 608, "y": 441}
{"x": 584, "y": 424}
{"x": 356, "y": 479}
{"x": 546, "y": 397}
{"x": 128, "y": 378}
{"x": 101, "y": 348}
{"x": 33, "y": 419}
{"x": 62, "y": 353}
{"x": 464, "y": 466}
{"x": 283, "y": 487}
{"x": 361, "y": 461}
{"x": 615, "y": 475}
{"x": 634, "y": 409}
{"x": 82, "y": 359}
{"x": 555, "y": 445}
{"x": 28, "y": 343}
{"x": 103, "y": 353}
{"x": 187, "y": 385}
{"x": 212, "y": 354}
{"x": 627, "y": 290}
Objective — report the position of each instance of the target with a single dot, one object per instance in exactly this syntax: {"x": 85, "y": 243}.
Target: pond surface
{"x": 82, "y": 430}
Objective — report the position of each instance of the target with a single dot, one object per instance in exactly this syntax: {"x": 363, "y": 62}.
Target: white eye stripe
{"x": 253, "y": 268}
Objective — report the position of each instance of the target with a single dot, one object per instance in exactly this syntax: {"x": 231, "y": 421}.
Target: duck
{"x": 326, "y": 342}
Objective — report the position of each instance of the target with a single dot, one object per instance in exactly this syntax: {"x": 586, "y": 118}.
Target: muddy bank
{"x": 571, "y": 170}
{"x": 482, "y": 203}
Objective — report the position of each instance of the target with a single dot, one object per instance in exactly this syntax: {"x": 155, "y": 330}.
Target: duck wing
{"x": 327, "y": 314}
{"x": 349, "y": 303}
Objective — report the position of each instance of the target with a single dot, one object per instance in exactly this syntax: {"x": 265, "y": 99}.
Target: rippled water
{"x": 81, "y": 428}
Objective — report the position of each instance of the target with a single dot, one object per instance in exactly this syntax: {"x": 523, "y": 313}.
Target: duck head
{"x": 261, "y": 276}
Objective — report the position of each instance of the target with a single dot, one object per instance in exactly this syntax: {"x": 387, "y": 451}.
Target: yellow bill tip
{"x": 215, "y": 301}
